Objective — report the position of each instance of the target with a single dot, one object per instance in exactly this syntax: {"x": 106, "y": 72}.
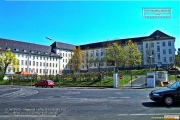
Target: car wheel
{"x": 36, "y": 85}
{"x": 168, "y": 100}
{"x": 46, "y": 86}
{"x": 51, "y": 86}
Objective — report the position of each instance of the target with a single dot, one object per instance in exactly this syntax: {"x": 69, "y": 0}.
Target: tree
{"x": 76, "y": 60}
{"x": 178, "y": 60}
{"x": 115, "y": 52}
{"x": 88, "y": 58}
{"x": 133, "y": 54}
{"x": 8, "y": 59}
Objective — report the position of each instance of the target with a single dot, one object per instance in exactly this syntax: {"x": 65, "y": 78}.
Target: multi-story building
{"x": 44, "y": 60}
{"x": 157, "y": 48}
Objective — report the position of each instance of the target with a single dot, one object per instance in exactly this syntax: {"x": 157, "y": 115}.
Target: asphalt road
{"x": 19, "y": 103}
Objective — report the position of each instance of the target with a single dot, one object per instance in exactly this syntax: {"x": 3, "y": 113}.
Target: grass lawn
{"x": 78, "y": 83}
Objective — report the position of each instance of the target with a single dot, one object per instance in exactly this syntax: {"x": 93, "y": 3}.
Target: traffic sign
{"x": 60, "y": 72}
{"x": 120, "y": 77}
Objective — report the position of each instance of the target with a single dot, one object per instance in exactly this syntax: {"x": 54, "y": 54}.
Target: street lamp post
{"x": 175, "y": 65}
{"x": 59, "y": 61}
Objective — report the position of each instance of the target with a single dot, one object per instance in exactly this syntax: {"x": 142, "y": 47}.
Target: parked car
{"x": 167, "y": 96}
{"x": 45, "y": 83}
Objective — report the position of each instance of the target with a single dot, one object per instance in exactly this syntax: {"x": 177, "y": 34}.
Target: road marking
{"x": 112, "y": 97}
{"x": 125, "y": 97}
{"x": 7, "y": 116}
{"x": 19, "y": 93}
{"x": 74, "y": 93}
{"x": 149, "y": 114}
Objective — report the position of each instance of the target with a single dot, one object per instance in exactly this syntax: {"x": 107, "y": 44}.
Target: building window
{"x": 40, "y": 57}
{"x": 163, "y": 44}
{"x": 29, "y": 63}
{"x": 159, "y": 57}
{"x": 152, "y": 52}
{"x": 157, "y": 42}
{"x": 47, "y": 64}
{"x": 33, "y": 63}
{"x": 170, "y": 59}
{"x": 153, "y": 60}
{"x": 22, "y": 55}
{"x": 25, "y": 62}
{"x": 36, "y": 63}
{"x": 169, "y": 43}
{"x": 40, "y": 63}
{"x": 164, "y": 51}
{"x": 37, "y": 70}
{"x": 50, "y": 65}
{"x": 158, "y": 48}
{"x": 146, "y": 45}
{"x": 33, "y": 57}
{"x": 21, "y": 69}
{"x": 22, "y": 62}
{"x": 102, "y": 53}
{"x": 53, "y": 64}
{"x": 44, "y": 64}
{"x": 152, "y": 44}
{"x": 170, "y": 51}
{"x": 40, "y": 71}
{"x": 164, "y": 59}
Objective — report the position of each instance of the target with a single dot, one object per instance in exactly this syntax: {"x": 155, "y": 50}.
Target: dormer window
{"x": 32, "y": 51}
{"x": 16, "y": 49}
{"x": 24, "y": 50}
{"x": 8, "y": 48}
{"x": 39, "y": 52}
{"x": 157, "y": 37}
{"x": 45, "y": 53}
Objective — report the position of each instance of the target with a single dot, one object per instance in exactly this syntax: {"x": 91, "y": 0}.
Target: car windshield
{"x": 49, "y": 80}
{"x": 175, "y": 85}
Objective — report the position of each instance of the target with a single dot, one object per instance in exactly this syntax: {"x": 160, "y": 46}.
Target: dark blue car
{"x": 167, "y": 96}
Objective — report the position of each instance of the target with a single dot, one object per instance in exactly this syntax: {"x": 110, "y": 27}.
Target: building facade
{"x": 157, "y": 48}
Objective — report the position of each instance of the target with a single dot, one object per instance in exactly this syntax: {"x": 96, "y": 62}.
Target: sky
{"x": 84, "y": 22}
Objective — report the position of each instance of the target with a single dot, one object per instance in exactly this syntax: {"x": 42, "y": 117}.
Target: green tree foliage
{"x": 88, "y": 58}
{"x": 133, "y": 54}
{"x": 8, "y": 59}
{"x": 178, "y": 60}
{"x": 76, "y": 60}
{"x": 116, "y": 53}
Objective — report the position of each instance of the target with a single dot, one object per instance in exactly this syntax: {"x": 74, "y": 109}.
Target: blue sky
{"x": 81, "y": 22}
